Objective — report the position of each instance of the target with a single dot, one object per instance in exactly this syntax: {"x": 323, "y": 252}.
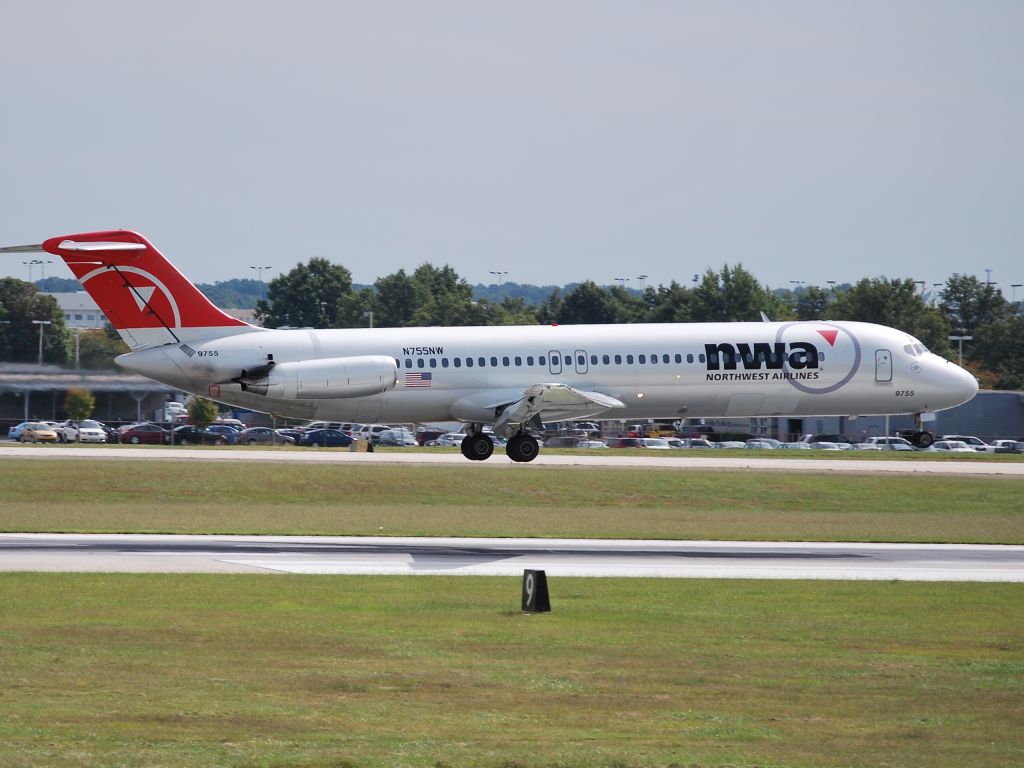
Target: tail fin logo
{"x": 152, "y": 302}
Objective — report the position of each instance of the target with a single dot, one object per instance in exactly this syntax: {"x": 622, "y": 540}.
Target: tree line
{"x": 321, "y": 294}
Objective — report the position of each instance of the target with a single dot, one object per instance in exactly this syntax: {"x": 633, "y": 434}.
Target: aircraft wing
{"x": 560, "y": 401}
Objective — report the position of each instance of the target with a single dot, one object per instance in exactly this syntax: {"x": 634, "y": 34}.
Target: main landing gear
{"x": 478, "y": 445}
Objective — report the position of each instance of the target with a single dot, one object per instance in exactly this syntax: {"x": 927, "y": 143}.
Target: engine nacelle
{"x": 333, "y": 377}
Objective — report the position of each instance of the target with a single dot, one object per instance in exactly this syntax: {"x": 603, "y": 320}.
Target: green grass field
{"x": 101, "y": 670}
{"x": 474, "y": 500}
{"x": 308, "y": 671}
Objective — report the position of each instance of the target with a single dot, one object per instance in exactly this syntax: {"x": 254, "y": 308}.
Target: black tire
{"x": 251, "y": 441}
{"x": 183, "y": 442}
{"x": 315, "y": 444}
{"x": 522, "y": 448}
{"x": 477, "y": 447}
{"x": 134, "y": 440}
{"x": 923, "y": 439}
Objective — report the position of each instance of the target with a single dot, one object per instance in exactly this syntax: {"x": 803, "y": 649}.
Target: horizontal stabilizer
{"x": 22, "y": 248}
{"x": 99, "y": 245}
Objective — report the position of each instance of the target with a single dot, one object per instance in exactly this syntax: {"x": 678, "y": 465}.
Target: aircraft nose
{"x": 966, "y": 381}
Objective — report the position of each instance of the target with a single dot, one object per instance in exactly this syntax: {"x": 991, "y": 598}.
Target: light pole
{"x": 31, "y": 263}
{"x": 961, "y": 339}
{"x": 623, "y": 281}
{"x": 259, "y": 274}
{"x": 499, "y": 275}
{"x": 641, "y": 278}
{"x": 988, "y": 276}
{"x": 1013, "y": 294}
{"x": 920, "y": 283}
{"x": 41, "y": 323}
{"x": 369, "y": 313}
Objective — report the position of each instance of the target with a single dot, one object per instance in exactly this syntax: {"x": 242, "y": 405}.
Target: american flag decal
{"x": 418, "y": 379}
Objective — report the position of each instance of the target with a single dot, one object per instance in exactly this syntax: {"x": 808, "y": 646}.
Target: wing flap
{"x": 559, "y": 398}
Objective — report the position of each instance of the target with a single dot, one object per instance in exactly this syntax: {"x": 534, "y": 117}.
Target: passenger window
{"x": 593, "y": 359}
{"x": 701, "y": 357}
{"x": 641, "y": 358}
{"x": 494, "y": 362}
{"x": 505, "y": 361}
{"x": 568, "y": 359}
{"x": 444, "y": 362}
{"x": 519, "y": 361}
{"x": 629, "y": 359}
{"x": 408, "y": 363}
{"x": 618, "y": 359}
{"x": 542, "y": 360}
{"x": 433, "y": 362}
{"x": 419, "y": 362}
{"x": 605, "y": 359}
{"x": 457, "y": 362}
{"x": 654, "y": 359}
{"x": 469, "y": 362}
{"x": 482, "y": 362}
{"x": 689, "y": 358}
{"x": 529, "y": 360}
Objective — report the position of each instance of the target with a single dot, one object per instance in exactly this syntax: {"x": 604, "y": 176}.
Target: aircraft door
{"x": 883, "y": 365}
{"x": 554, "y": 362}
{"x": 580, "y": 358}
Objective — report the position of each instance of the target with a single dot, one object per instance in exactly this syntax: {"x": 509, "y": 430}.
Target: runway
{"x": 681, "y": 459}
{"x": 136, "y": 553}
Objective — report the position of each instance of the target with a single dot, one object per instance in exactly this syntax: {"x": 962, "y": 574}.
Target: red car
{"x": 145, "y": 433}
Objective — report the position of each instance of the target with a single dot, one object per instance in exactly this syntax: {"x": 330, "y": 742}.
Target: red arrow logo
{"x": 829, "y": 336}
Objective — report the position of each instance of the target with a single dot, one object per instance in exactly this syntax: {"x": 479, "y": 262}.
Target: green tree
{"x": 734, "y": 294}
{"x": 897, "y": 304}
{"x": 969, "y": 303}
{"x": 812, "y": 303}
{"x": 587, "y": 303}
{"x": 444, "y": 298}
{"x": 79, "y": 404}
{"x": 20, "y": 304}
{"x": 97, "y": 349}
{"x": 397, "y": 300}
{"x": 669, "y": 305}
{"x": 308, "y": 296}
{"x": 202, "y": 412}
{"x": 999, "y": 347}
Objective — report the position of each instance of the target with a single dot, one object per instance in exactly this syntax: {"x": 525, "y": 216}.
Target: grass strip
{"x": 281, "y": 670}
{"x": 96, "y": 496}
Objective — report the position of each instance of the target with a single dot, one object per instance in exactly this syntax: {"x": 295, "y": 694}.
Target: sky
{"x": 554, "y": 141}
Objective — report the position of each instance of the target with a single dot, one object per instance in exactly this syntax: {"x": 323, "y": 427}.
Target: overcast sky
{"x": 554, "y": 141}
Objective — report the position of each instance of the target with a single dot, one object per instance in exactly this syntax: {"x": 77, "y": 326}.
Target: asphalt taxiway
{"x": 138, "y": 553}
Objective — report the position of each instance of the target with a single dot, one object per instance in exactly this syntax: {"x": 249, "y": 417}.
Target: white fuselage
{"x": 655, "y": 370}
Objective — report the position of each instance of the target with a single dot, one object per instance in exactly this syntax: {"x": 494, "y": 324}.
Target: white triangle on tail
{"x": 142, "y": 295}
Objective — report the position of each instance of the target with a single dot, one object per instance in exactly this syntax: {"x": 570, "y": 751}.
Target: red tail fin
{"x": 144, "y": 297}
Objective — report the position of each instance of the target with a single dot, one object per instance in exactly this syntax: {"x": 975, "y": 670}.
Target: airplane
{"x": 505, "y": 378}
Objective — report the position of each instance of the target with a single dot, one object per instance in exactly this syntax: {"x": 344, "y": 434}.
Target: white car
{"x": 657, "y": 443}
{"x": 449, "y": 439}
{"x": 951, "y": 446}
{"x": 85, "y": 431}
{"x": 975, "y": 443}
{"x": 889, "y": 443}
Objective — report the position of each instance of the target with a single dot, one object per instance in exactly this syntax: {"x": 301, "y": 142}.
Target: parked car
{"x": 592, "y": 444}
{"x": 623, "y": 442}
{"x": 840, "y": 440}
{"x": 264, "y": 436}
{"x": 972, "y": 442}
{"x": 85, "y": 431}
{"x": 763, "y": 442}
{"x": 655, "y": 443}
{"x": 38, "y": 432}
{"x": 950, "y": 446}
{"x": 190, "y": 434}
{"x": 226, "y": 431}
{"x": 448, "y": 439}
{"x": 14, "y": 433}
{"x": 398, "y": 436}
{"x": 328, "y": 438}
{"x": 890, "y": 443}
{"x": 697, "y": 442}
{"x": 146, "y": 433}
{"x": 370, "y": 431}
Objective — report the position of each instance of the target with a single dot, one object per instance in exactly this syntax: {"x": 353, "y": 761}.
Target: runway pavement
{"x": 683, "y": 459}
{"x": 138, "y": 553}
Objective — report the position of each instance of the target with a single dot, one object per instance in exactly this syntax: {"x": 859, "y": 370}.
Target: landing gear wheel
{"x": 477, "y": 447}
{"x": 522, "y": 448}
{"x": 923, "y": 439}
